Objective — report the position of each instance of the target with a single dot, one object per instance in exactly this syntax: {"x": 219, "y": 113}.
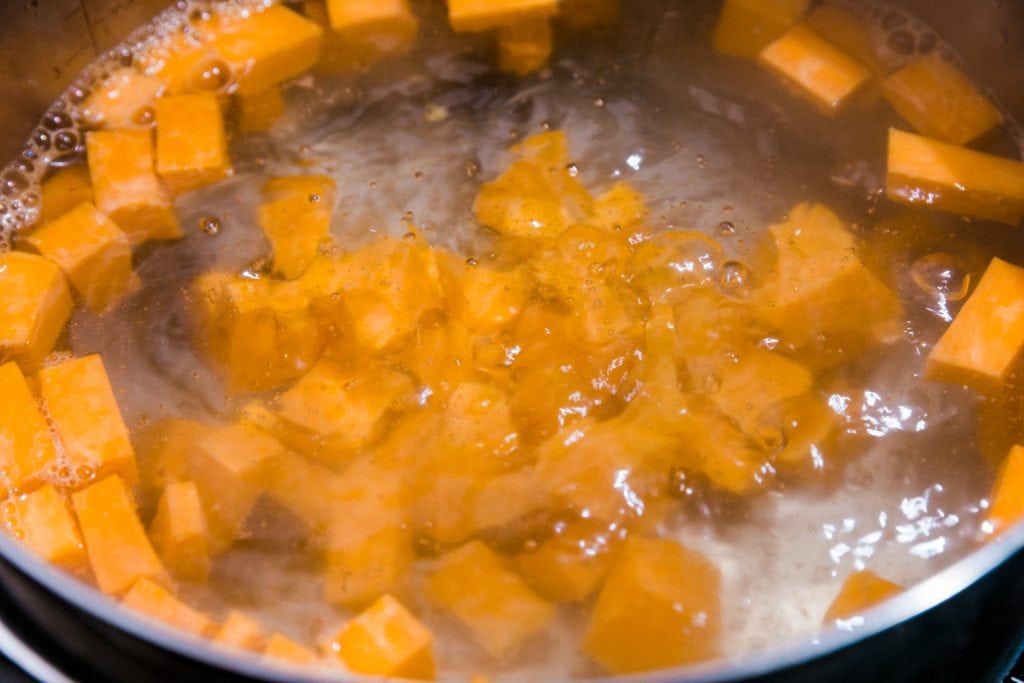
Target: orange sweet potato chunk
{"x": 35, "y": 304}
{"x": 28, "y": 448}
{"x": 87, "y": 419}
{"x": 191, "y": 145}
{"x": 124, "y": 99}
{"x": 501, "y": 612}
{"x": 585, "y": 14}
{"x": 745, "y": 27}
{"x": 296, "y": 218}
{"x": 572, "y": 565}
{"x": 1007, "y": 499}
{"x": 861, "y": 591}
{"x": 155, "y": 601}
{"x": 241, "y": 631}
{"x": 660, "y": 607}
{"x": 525, "y": 47}
{"x": 179, "y": 532}
{"x": 63, "y": 191}
{"x": 119, "y": 550}
{"x": 364, "y": 31}
{"x": 386, "y": 639}
{"x": 281, "y": 648}
{"x": 483, "y": 15}
{"x": 46, "y": 526}
{"x": 163, "y": 452}
{"x": 260, "y": 111}
{"x": 986, "y": 336}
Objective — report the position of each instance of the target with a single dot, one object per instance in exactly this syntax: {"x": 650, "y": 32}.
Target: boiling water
{"x": 713, "y": 145}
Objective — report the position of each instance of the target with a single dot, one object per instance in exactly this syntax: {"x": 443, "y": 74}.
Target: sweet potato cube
{"x": 491, "y": 299}
{"x": 620, "y": 208}
{"x": 266, "y": 47}
{"x": 944, "y": 177}
{"x": 483, "y": 15}
{"x": 28, "y": 447}
{"x": 126, "y": 186}
{"x": 758, "y": 381}
{"x": 660, "y": 607}
{"x": 498, "y": 608}
{"x": 191, "y": 146}
{"x": 585, "y": 14}
{"x": 123, "y": 100}
{"x": 848, "y": 32}
{"x": 179, "y": 532}
{"x": 745, "y": 27}
{"x": 284, "y": 649}
{"x": 163, "y": 450}
{"x": 36, "y": 304}
{"x": 985, "y": 338}
{"x": 63, "y": 191}
{"x": 115, "y": 540}
{"x": 819, "y": 271}
{"x": 386, "y": 639}
{"x": 47, "y": 527}
{"x": 939, "y": 101}
{"x": 368, "y": 558}
{"x": 155, "y": 601}
{"x": 817, "y": 70}
{"x": 260, "y": 111}
{"x": 364, "y": 31}
{"x": 1007, "y": 499}
{"x": 524, "y": 47}
{"x": 306, "y": 489}
{"x": 87, "y": 419}
{"x": 296, "y": 218}
{"x": 861, "y": 591}
{"x": 571, "y": 566}
{"x": 241, "y": 631}
{"x": 93, "y": 252}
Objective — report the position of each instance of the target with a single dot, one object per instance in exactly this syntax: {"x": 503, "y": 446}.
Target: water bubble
{"x": 599, "y": 102}
{"x": 57, "y": 120}
{"x": 85, "y": 473}
{"x": 211, "y": 75}
{"x": 574, "y": 170}
{"x": 209, "y": 225}
{"x": 42, "y": 139}
{"x": 942, "y": 275}
{"x": 901, "y": 42}
{"x": 472, "y": 262}
{"x": 734, "y": 277}
{"x": 13, "y": 182}
{"x": 65, "y": 141}
{"x": 674, "y": 261}
{"x": 144, "y": 117}
{"x": 726, "y": 229}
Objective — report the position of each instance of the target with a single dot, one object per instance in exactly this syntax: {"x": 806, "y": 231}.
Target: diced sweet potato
{"x": 848, "y": 32}
{"x": 571, "y": 566}
{"x": 63, "y": 191}
{"x": 94, "y": 253}
{"x": 36, "y": 306}
{"x": 306, "y": 489}
{"x": 745, "y": 27}
{"x": 364, "y": 31}
{"x": 488, "y": 299}
{"x": 386, "y": 640}
{"x": 816, "y": 69}
{"x": 179, "y": 532}
{"x": 185, "y": 63}
{"x": 754, "y": 384}
{"x": 123, "y": 100}
{"x": 123, "y": 172}
{"x": 524, "y": 47}
{"x": 296, "y": 218}
{"x": 1007, "y": 499}
{"x": 498, "y": 608}
{"x": 191, "y": 146}
{"x": 509, "y": 498}
{"x": 46, "y": 526}
{"x": 861, "y": 591}
{"x": 944, "y": 177}
{"x": 266, "y": 47}
{"x": 284, "y": 649}
{"x": 87, "y": 419}
{"x": 28, "y": 447}
{"x": 260, "y": 111}
{"x": 986, "y": 336}
{"x": 366, "y": 561}
{"x": 585, "y": 14}
{"x": 939, "y": 101}
{"x": 620, "y": 208}
{"x": 155, "y": 601}
{"x": 241, "y": 631}
{"x": 115, "y": 540}
{"x": 163, "y": 452}
{"x": 483, "y": 15}
{"x": 660, "y": 607}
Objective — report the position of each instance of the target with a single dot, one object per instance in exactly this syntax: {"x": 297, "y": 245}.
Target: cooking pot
{"x": 964, "y": 624}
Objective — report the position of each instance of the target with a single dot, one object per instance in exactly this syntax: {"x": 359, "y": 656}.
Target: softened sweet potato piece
{"x": 848, "y": 32}
{"x": 386, "y": 639}
{"x": 282, "y": 648}
{"x": 365, "y": 31}
{"x": 163, "y": 450}
{"x": 36, "y": 306}
{"x": 572, "y": 565}
{"x": 87, "y": 419}
{"x": 28, "y": 446}
{"x": 745, "y": 27}
{"x": 179, "y": 532}
{"x": 586, "y": 14}
{"x": 861, "y": 591}
{"x": 124, "y": 99}
{"x": 191, "y": 145}
{"x": 260, "y": 111}
{"x": 1007, "y": 499}
{"x": 660, "y": 607}
{"x": 498, "y": 608}
{"x": 119, "y": 550}
{"x": 93, "y": 252}
{"x": 525, "y": 47}
{"x": 63, "y": 191}
{"x": 483, "y": 15}
{"x": 153, "y": 600}
{"x": 296, "y": 218}
{"x": 241, "y": 631}
{"x": 47, "y": 527}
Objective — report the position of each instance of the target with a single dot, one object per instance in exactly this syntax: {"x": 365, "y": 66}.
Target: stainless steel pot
{"x": 964, "y": 624}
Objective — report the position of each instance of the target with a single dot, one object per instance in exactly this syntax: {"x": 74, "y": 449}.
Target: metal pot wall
{"x": 964, "y": 624}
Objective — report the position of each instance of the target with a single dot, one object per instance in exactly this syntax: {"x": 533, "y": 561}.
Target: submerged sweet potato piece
{"x": 155, "y": 601}
{"x": 63, "y": 191}
{"x": 483, "y": 15}
{"x": 179, "y": 532}
{"x": 126, "y": 186}
{"x": 1007, "y": 498}
{"x": 163, "y": 452}
{"x": 92, "y": 251}
{"x": 754, "y": 384}
{"x": 386, "y": 640}
{"x": 364, "y": 31}
{"x": 585, "y": 14}
{"x": 191, "y": 145}
{"x": 88, "y": 420}
{"x": 36, "y": 304}
{"x": 848, "y": 32}
{"x": 927, "y": 172}
{"x": 938, "y": 100}
{"x": 115, "y": 540}
{"x": 241, "y": 631}
{"x": 660, "y": 607}
{"x": 986, "y": 337}
{"x": 498, "y": 608}
{"x": 124, "y": 99}
{"x": 280, "y": 647}
{"x": 861, "y": 591}
{"x": 745, "y": 27}
{"x": 260, "y": 111}
{"x": 296, "y": 218}
{"x": 47, "y": 527}
{"x": 572, "y": 565}
{"x": 819, "y": 71}
{"x": 28, "y": 447}
{"x": 524, "y": 47}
